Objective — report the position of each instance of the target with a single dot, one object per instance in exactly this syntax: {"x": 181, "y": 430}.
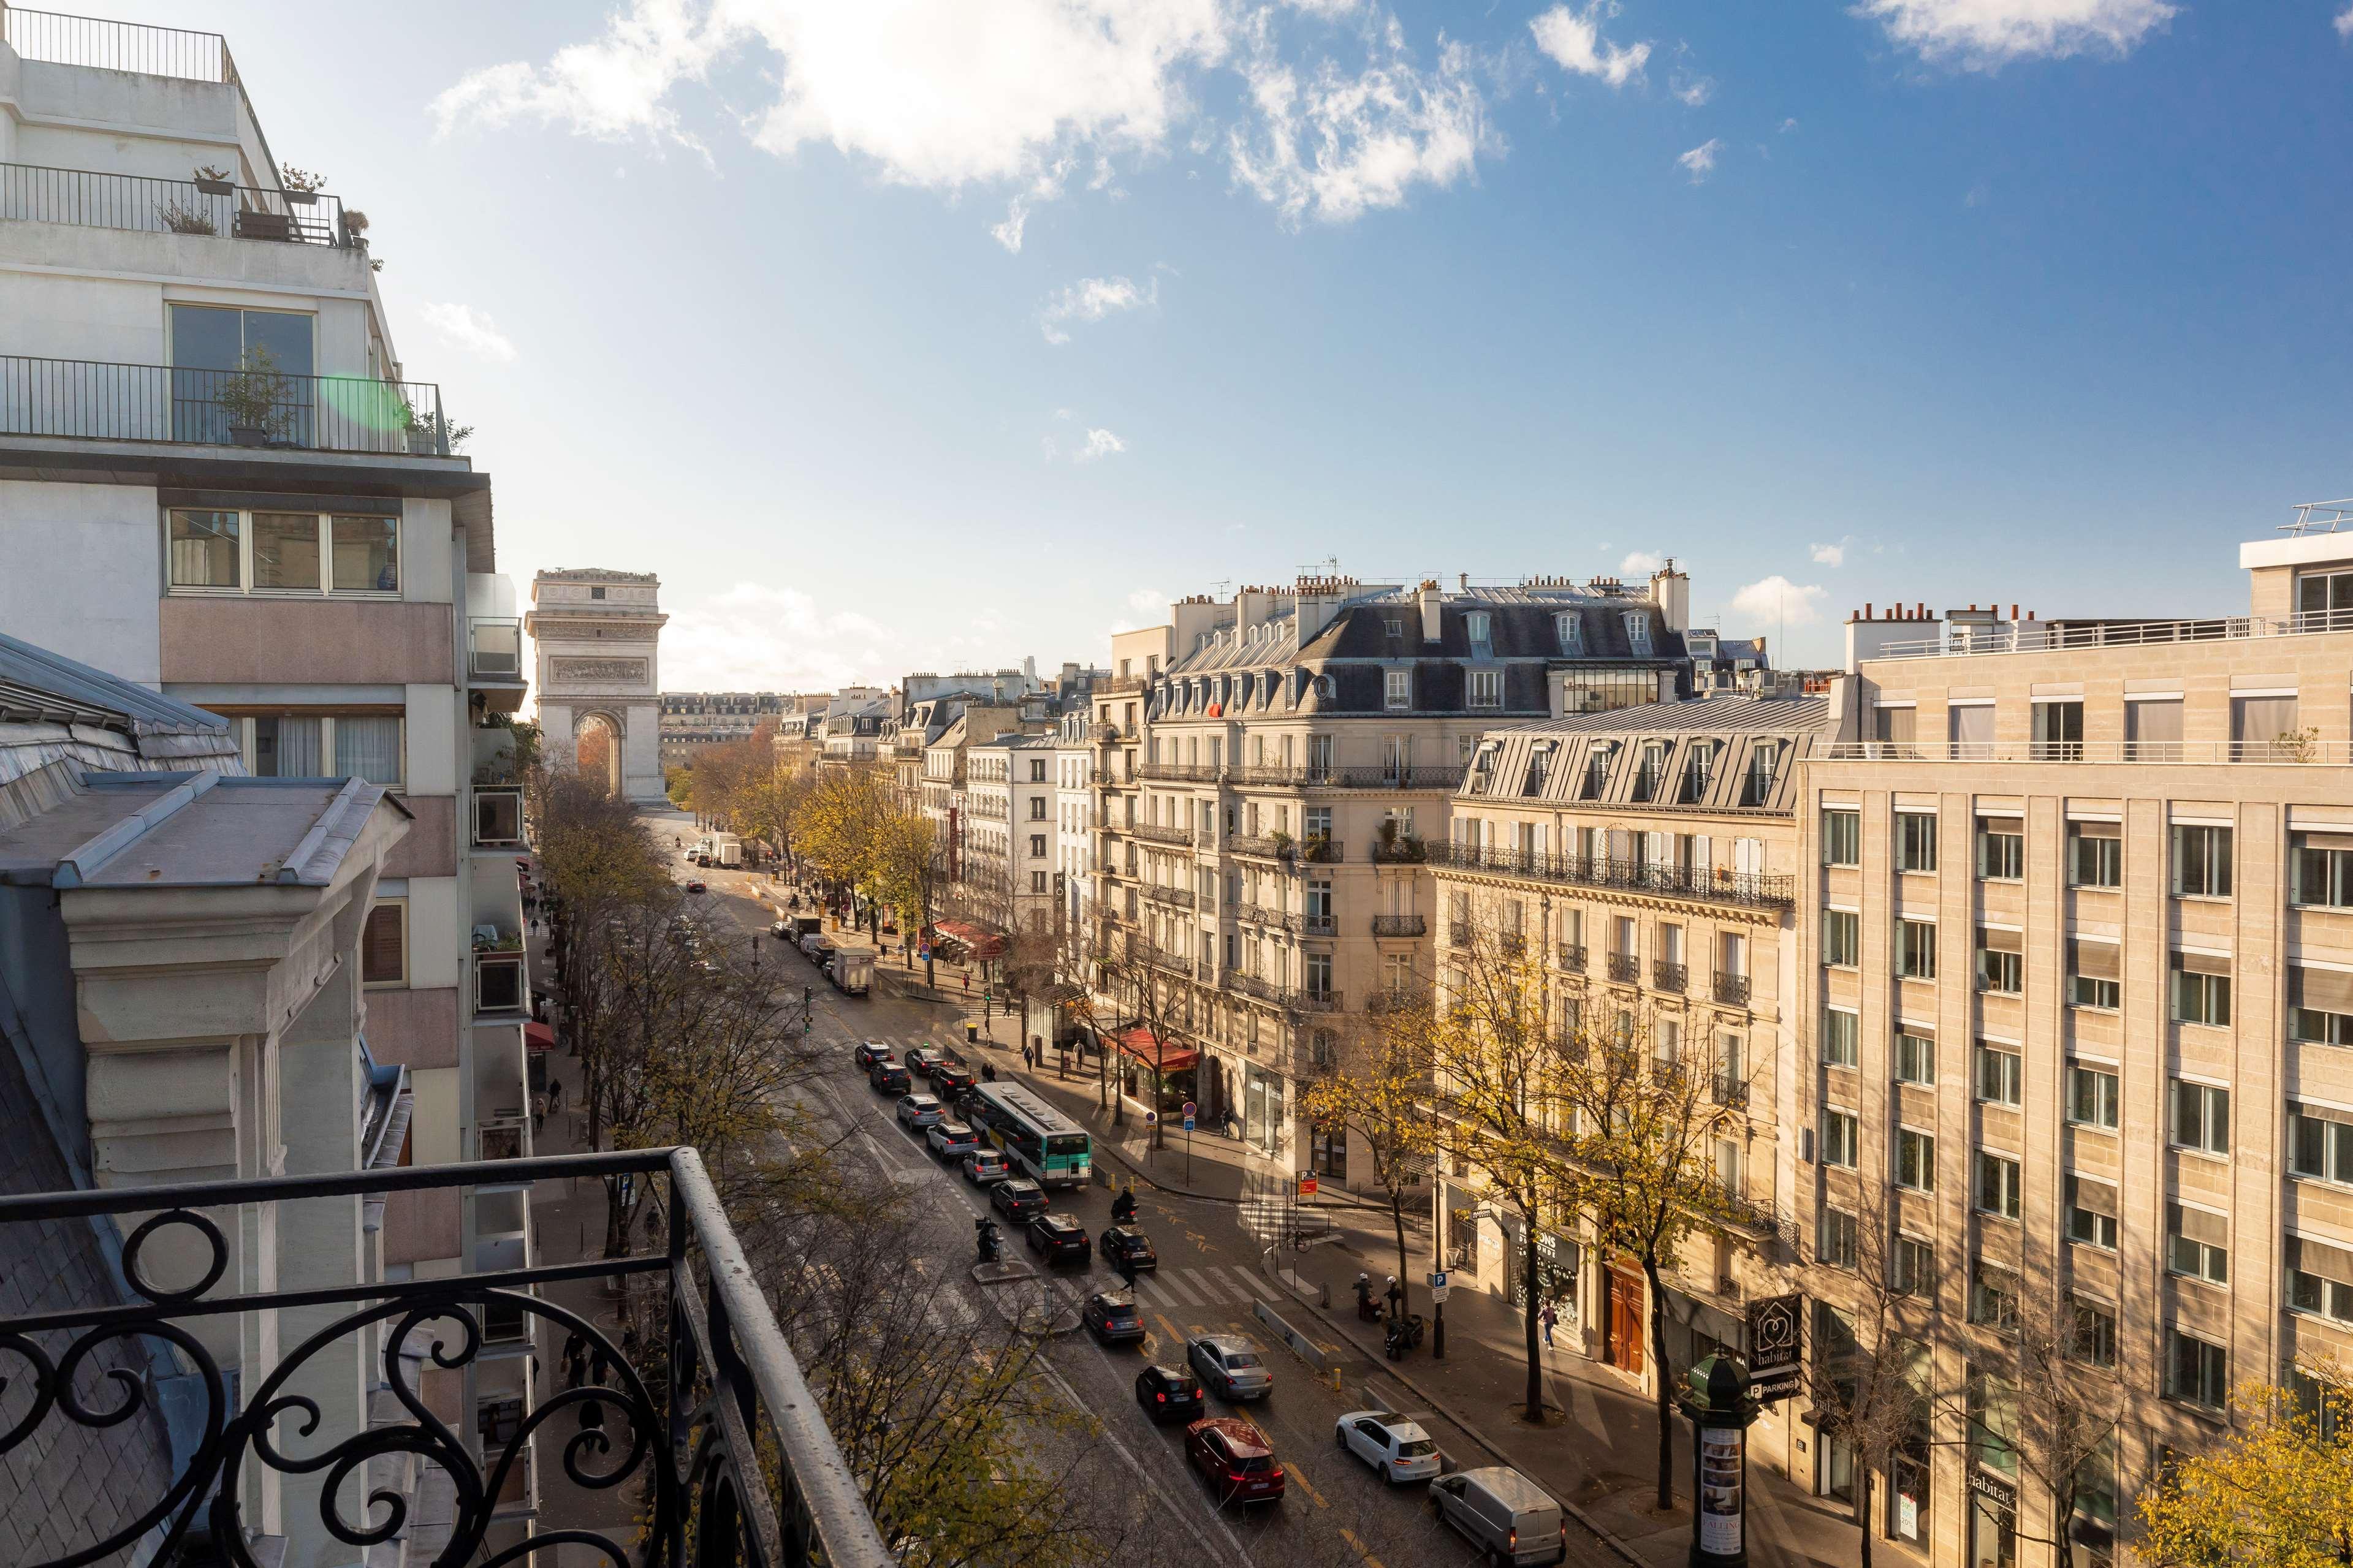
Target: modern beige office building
{"x": 2075, "y": 950}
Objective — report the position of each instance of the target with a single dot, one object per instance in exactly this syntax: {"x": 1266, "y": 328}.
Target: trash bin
{"x": 972, "y": 1034}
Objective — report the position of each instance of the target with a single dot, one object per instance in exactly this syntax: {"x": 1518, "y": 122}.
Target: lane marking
{"x": 1050, "y": 1370}
{"x": 1350, "y": 1537}
{"x": 1290, "y": 1468}
{"x": 1176, "y": 1288}
{"x": 1253, "y": 1284}
{"x": 1164, "y": 1323}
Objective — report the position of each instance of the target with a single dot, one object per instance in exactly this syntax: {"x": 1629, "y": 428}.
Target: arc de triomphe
{"x": 595, "y": 634}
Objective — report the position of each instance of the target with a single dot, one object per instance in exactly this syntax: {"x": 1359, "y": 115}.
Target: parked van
{"x": 851, "y": 971}
{"x": 1504, "y": 1513}
{"x": 816, "y": 948}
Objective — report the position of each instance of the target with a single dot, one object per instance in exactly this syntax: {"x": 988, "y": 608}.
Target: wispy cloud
{"x": 1788, "y": 125}
{"x": 1148, "y": 601}
{"x": 1573, "y": 40}
{"x": 754, "y": 638}
{"x": 1640, "y": 563}
{"x": 1097, "y": 444}
{"x": 1694, "y": 90}
{"x": 1777, "y": 601}
{"x": 1091, "y": 299}
{"x": 1985, "y": 35}
{"x": 1700, "y": 162}
{"x": 2344, "y": 23}
{"x": 1830, "y": 554}
{"x": 465, "y": 328}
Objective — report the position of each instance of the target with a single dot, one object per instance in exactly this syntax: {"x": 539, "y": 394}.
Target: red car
{"x": 1235, "y": 1458}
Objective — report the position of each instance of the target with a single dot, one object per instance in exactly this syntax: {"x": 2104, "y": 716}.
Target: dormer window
{"x": 1478, "y": 626}
{"x": 1395, "y": 627}
{"x": 1482, "y": 766}
{"x": 1638, "y": 631}
{"x": 1568, "y": 628}
{"x": 1539, "y": 768}
{"x": 1399, "y": 689}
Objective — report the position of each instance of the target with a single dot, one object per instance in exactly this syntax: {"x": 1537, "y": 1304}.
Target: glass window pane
{"x": 287, "y": 336}
{"x": 204, "y": 338}
{"x": 285, "y": 550}
{"x": 368, "y": 556}
{"x": 368, "y": 748}
{"x": 203, "y": 550}
{"x": 286, "y": 748}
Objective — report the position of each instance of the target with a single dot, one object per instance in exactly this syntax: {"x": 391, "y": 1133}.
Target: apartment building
{"x": 1648, "y": 858}
{"x": 1074, "y": 847}
{"x": 1005, "y": 873}
{"x": 1293, "y": 748}
{"x": 691, "y": 720}
{"x": 2076, "y": 946}
{"x": 221, "y": 483}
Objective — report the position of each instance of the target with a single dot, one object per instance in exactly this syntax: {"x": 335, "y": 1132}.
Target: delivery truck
{"x": 727, "y": 849}
{"x": 851, "y": 970}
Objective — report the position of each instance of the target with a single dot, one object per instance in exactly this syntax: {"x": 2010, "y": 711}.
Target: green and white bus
{"x": 1042, "y": 1143}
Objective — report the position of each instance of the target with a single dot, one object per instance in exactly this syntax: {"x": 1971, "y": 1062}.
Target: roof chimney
{"x": 1429, "y": 620}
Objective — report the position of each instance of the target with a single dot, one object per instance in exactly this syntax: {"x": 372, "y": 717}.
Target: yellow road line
{"x": 1350, "y": 1537}
{"x": 1163, "y": 1322}
{"x": 1290, "y": 1468}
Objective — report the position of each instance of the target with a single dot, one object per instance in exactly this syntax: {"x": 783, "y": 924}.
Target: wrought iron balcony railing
{"x": 696, "y": 1426}
{"x": 90, "y": 400}
{"x": 86, "y": 198}
{"x": 1665, "y": 977}
{"x": 1264, "y": 846}
{"x": 1320, "y": 851}
{"x": 1178, "y": 772}
{"x": 1317, "y": 925}
{"x": 1399, "y": 851}
{"x": 1174, "y": 897}
{"x": 1158, "y": 833}
{"x": 1713, "y": 884}
{"x": 1625, "y": 967}
{"x": 1400, "y": 925}
{"x": 1458, "y": 933}
{"x": 1384, "y": 778}
{"x": 1732, "y": 990}
{"x": 1572, "y": 957}
{"x": 1396, "y": 999}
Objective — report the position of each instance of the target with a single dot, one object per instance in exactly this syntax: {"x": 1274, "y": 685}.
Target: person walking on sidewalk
{"x": 1549, "y": 1317}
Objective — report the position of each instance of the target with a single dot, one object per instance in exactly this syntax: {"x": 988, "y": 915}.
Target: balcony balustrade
{"x": 1174, "y": 897}
{"x": 1317, "y": 925}
{"x": 134, "y": 202}
{"x": 1625, "y": 968}
{"x": 1403, "y": 850}
{"x": 1400, "y": 925}
{"x": 498, "y": 982}
{"x": 1261, "y": 846}
{"x": 1511, "y": 944}
{"x": 1572, "y": 957}
{"x": 1178, "y": 772}
{"x": 1384, "y": 778}
{"x": 1205, "y": 837}
{"x": 695, "y": 1428}
{"x": 1320, "y": 851}
{"x": 1159, "y": 833}
{"x": 494, "y": 647}
{"x": 1754, "y": 889}
{"x": 1732, "y": 990}
{"x": 91, "y": 400}
{"x": 1396, "y": 999}
{"x": 1668, "y": 976}
{"x": 1458, "y": 933}
{"x": 498, "y": 817}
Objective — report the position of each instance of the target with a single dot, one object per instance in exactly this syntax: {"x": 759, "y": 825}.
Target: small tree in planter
{"x": 302, "y": 185}
{"x": 214, "y": 182}
{"x": 254, "y": 399}
{"x": 181, "y": 219}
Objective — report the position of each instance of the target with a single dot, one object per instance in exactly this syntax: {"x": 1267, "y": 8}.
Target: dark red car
{"x": 1235, "y": 1458}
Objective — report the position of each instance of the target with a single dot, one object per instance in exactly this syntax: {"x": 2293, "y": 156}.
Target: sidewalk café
{"x": 1156, "y": 1072}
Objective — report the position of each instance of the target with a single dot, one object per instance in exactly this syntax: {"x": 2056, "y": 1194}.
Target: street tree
{"x": 2275, "y": 1491}
{"x": 912, "y": 872}
{"x": 1869, "y": 1377}
{"x": 1377, "y": 1089}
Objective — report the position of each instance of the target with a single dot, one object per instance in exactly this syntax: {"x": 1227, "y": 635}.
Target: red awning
{"x": 1161, "y": 1056}
{"x": 539, "y": 1036}
{"x": 978, "y": 943}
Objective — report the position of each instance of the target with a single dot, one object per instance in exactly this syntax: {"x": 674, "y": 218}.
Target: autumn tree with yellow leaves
{"x": 1377, "y": 1089}
{"x": 2275, "y": 1492}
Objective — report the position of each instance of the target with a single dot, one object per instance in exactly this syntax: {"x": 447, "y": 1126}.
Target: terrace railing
{"x": 92, "y": 400}
{"x": 1755, "y": 887}
{"x": 104, "y": 45}
{"x": 88, "y": 198}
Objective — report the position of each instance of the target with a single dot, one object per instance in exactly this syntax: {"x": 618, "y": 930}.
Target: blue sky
{"x": 2031, "y": 300}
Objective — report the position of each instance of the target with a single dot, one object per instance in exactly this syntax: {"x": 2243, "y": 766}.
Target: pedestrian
{"x": 576, "y": 1360}
{"x": 630, "y": 1345}
{"x": 1549, "y": 1317}
{"x": 538, "y": 1113}
{"x": 600, "y": 1365}
{"x": 555, "y": 1095}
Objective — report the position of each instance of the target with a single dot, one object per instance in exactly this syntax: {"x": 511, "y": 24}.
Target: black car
{"x": 1057, "y": 1237}
{"x": 950, "y": 1079}
{"x": 696, "y": 887}
{"x": 1125, "y": 1243}
{"x": 868, "y": 1053}
{"x": 888, "y": 1078}
{"x": 1018, "y": 1198}
{"x": 1112, "y": 1317}
{"x": 1169, "y": 1393}
{"x": 922, "y": 1058}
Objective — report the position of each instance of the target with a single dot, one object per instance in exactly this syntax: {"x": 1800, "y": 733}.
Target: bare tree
{"x": 1869, "y": 1377}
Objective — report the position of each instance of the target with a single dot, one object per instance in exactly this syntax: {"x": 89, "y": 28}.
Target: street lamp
{"x": 1720, "y": 1411}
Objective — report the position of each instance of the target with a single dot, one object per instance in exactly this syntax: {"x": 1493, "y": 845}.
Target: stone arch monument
{"x": 595, "y": 634}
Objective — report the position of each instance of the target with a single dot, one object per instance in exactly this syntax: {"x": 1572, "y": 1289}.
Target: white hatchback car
{"x": 1399, "y": 1449}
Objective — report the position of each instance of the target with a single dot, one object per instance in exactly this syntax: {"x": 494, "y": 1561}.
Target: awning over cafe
{"x": 539, "y": 1036}
{"x": 978, "y": 943}
{"x": 1163, "y": 1057}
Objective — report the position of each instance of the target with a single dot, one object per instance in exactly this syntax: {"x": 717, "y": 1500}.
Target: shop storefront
{"x": 1328, "y": 1151}
{"x": 1265, "y": 1126}
{"x": 1158, "y": 1074}
{"x": 1993, "y": 1521}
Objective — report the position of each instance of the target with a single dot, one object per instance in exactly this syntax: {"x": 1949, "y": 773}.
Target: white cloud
{"x": 1336, "y": 144}
{"x": 1700, "y": 162}
{"x": 1788, "y": 125}
{"x": 1828, "y": 554}
{"x": 1640, "y": 563}
{"x": 2344, "y": 23}
{"x": 1098, "y": 444}
{"x": 464, "y": 327}
{"x": 1777, "y": 601}
{"x": 753, "y": 637}
{"x": 1693, "y": 90}
{"x": 1148, "y": 601}
{"x": 1982, "y": 34}
{"x": 1091, "y": 299}
{"x": 614, "y": 87}
{"x": 1573, "y": 40}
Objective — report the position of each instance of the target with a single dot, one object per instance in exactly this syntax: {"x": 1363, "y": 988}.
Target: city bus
{"x": 1042, "y": 1143}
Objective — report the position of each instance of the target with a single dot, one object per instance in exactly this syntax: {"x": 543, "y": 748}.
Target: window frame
{"x": 1902, "y": 1061}
{"x": 1915, "y": 1159}
{"x": 1847, "y": 952}
{"x": 2093, "y": 1071}
{"x": 1916, "y": 844}
{"x": 2217, "y": 873}
{"x": 2012, "y": 867}
{"x": 1849, "y": 1141}
{"x": 2178, "y": 1093}
{"x": 1849, "y": 1036}
{"x": 1397, "y": 690}
{"x": 399, "y": 903}
{"x": 2012, "y": 1078}
{"x": 244, "y": 717}
{"x": 2112, "y": 861}
{"x": 1915, "y": 956}
{"x": 1841, "y": 833}
{"x": 2008, "y": 1189}
{"x": 325, "y": 538}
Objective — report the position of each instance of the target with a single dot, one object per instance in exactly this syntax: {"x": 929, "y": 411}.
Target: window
{"x": 2001, "y": 849}
{"x": 1912, "y": 1267}
{"x": 1915, "y": 1058}
{"x": 1915, "y": 841}
{"x": 2002, "y": 967}
{"x": 1638, "y": 631}
{"x": 1999, "y": 1184}
{"x": 1478, "y": 626}
{"x": 325, "y": 745}
{"x": 2201, "y": 1117}
{"x": 1037, "y": 882}
{"x": 1895, "y": 729}
{"x": 2095, "y": 855}
{"x": 1568, "y": 628}
{"x": 2091, "y": 1212}
{"x": 1319, "y": 975}
{"x": 2059, "y": 732}
{"x": 1993, "y": 1297}
{"x": 1038, "y": 846}
{"x": 210, "y": 344}
{"x": 1915, "y": 950}
{"x": 2319, "y": 1279}
{"x": 1486, "y": 688}
{"x": 2201, "y": 861}
{"x": 2320, "y": 1006}
{"x": 291, "y": 553}
{"x": 2196, "y": 1372}
{"x": 1841, "y": 1038}
{"x": 2094, "y": 1338}
{"x": 1971, "y": 728}
{"x": 383, "y": 945}
{"x": 2153, "y": 730}
{"x": 2325, "y": 595}
{"x": 2093, "y": 968}
{"x": 1916, "y": 1160}
{"x": 2322, "y": 867}
{"x": 1395, "y": 627}
{"x": 2320, "y": 1142}
{"x": 2263, "y": 730}
{"x": 1839, "y": 1138}
{"x": 2202, "y": 989}
{"x": 1841, "y": 937}
{"x": 2092, "y": 1095}
{"x": 1037, "y": 808}
{"x": 1400, "y": 687}
{"x": 2196, "y": 1243}
{"x": 2001, "y": 1074}
{"x": 1838, "y": 1242}
{"x": 1842, "y": 838}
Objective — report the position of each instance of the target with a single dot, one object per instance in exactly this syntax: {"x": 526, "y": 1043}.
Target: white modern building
{"x": 1074, "y": 818}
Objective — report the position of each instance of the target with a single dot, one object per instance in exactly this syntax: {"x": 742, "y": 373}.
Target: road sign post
{"x": 1189, "y": 1110}
{"x": 1438, "y": 1288}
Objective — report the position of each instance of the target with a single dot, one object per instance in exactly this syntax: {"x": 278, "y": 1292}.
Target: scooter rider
{"x": 1396, "y": 1294}
{"x": 1123, "y": 1207}
{"x": 1367, "y": 1310}
{"x": 986, "y": 1234}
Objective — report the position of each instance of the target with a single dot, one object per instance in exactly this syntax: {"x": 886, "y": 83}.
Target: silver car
{"x": 1230, "y": 1365}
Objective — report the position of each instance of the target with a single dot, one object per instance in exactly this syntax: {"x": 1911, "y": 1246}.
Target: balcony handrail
{"x": 144, "y": 204}
{"x": 497, "y": 658}
{"x": 2038, "y": 636}
{"x": 1756, "y": 888}
{"x": 738, "y": 1351}
{"x": 104, "y": 400}
{"x": 52, "y": 38}
{"x": 2291, "y": 750}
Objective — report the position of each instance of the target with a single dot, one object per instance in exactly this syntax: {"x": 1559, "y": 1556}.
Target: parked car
{"x": 917, "y": 1112}
{"x": 1126, "y": 1242}
{"x": 1504, "y": 1513}
{"x": 985, "y": 1167}
{"x": 952, "y": 1140}
{"x": 1167, "y": 1393}
{"x": 869, "y": 1052}
{"x": 1017, "y": 1197}
{"x": 1058, "y": 1238}
{"x": 1398, "y": 1449}
{"x": 888, "y": 1078}
{"x": 697, "y": 887}
{"x": 1230, "y": 1365}
{"x": 1235, "y": 1458}
{"x": 1112, "y": 1317}
{"x": 783, "y": 929}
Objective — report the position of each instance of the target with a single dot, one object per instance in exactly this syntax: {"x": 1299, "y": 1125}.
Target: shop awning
{"x": 538, "y": 1038}
{"x": 978, "y": 943}
{"x": 1163, "y": 1057}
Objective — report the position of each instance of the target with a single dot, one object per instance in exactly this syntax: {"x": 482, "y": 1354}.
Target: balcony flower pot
{"x": 217, "y": 187}
{"x": 248, "y": 436}
{"x": 302, "y": 198}
{"x": 420, "y": 442}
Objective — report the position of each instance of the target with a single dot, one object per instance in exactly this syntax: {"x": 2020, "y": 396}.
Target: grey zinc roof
{"x": 180, "y": 830}
{"x": 1699, "y": 715}
{"x": 39, "y": 686}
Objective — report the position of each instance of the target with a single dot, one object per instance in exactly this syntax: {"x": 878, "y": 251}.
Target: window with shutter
{"x": 384, "y": 946}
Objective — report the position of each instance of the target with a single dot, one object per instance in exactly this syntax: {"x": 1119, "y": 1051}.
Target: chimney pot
{"x": 2013, "y": 612}
{"x": 1866, "y": 610}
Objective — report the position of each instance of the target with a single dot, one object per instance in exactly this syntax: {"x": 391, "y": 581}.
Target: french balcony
{"x": 697, "y": 1427}
{"x": 1728, "y": 1091}
{"x": 1403, "y": 850}
{"x": 1625, "y": 968}
{"x": 1270, "y": 776}
{"x": 1512, "y": 945}
{"x": 1205, "y": 839}
{"x": 1714, "y": 885}
{"x": 1174, "y": 897}
{"x": 498, "y": 817}
{"x": 1178, "y": 772}
{"x": 1732, "y": 990}
{"x": 1384, "y": 778}
{"x": 1667, "y": 976}
{"x": 1572, "y": 958}
{"x": 1400, "y": 925}
{"x": 87, "y": 199}
{"x": 1160, "y": 833}
{"x": 1396, "y": 999}
{"x": 1319, "y": 925}
{"x": 1261, "y": 847}
{"x": 1320, "y": 851}
{"x": 91, "y": 400}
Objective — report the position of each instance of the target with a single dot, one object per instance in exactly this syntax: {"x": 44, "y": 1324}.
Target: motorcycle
{"x": 1368, "y": 1306}
{"x": 990, "y": 1239}
{"x": 1401, "y": 1335}
{"x": 1122, "y": 1208}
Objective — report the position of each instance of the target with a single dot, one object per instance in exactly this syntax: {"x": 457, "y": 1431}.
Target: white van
{"x": 1507, "y": 1516}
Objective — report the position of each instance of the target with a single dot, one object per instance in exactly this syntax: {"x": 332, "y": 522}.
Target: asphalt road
{"x": 1336, "y": 1511}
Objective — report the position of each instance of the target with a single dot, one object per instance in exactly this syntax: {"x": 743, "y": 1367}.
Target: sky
{"x": 921, "y": 335}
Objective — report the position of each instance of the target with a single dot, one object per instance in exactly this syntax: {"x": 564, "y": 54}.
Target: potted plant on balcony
{"x": 301, "y": 185}
{"x": 1281, "y": 842}
{"x": 254, "y": 399}
{"x": 214, "y": 182}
